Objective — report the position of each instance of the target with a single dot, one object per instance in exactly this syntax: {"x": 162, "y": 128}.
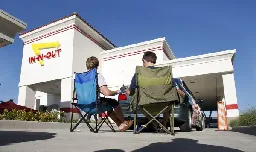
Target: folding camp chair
{"x": 86, "y": 98}
{"x": 154, "y": 95}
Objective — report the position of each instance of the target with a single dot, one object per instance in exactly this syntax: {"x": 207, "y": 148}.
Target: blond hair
{"x": 92, "y": 62}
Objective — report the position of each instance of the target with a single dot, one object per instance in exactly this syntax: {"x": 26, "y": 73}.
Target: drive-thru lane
{"x": 35, "y": 140}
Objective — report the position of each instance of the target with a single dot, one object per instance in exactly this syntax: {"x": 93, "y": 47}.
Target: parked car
{"x": 187, "y": 114}
{"x": 212, "y": 122}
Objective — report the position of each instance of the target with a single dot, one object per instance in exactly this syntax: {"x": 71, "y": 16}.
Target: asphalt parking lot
{"x": 49, "y": 140}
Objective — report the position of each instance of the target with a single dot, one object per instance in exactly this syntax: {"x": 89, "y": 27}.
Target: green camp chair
{"x": 154, "y": 94}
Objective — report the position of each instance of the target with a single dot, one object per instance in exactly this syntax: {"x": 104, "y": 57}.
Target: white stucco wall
{"x": 53, "y": 99}
{"x": 26, "y": 96}
{"x": 47, "y": 99}
{"x": 84, "y": 48}
{"x": 230, "y": 94}
{"x": 43, "y": 100}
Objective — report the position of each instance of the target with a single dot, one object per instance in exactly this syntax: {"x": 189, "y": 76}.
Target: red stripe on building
{"x": 89, "y": 37}
{"x": 232, "y": 106}
{"x": 153, "y": 49}
{"x": 48, "y": 34}
{"x": 64, "y": 29}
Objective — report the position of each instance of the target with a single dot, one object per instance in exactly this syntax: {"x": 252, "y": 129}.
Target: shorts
{"x": 109, "y": 102}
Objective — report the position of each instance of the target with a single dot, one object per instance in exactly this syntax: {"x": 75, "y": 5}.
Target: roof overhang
{"x": 193, "y": 61}
{"x": 5, "y": 40}
{"x": 166, "y": 47}
{"x": 9, "y": 27}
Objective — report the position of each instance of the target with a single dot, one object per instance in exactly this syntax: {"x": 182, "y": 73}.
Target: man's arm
{"x": 132, "y": 86}
{"x": 179, "y": 90}
{"x": 104, "y": 88}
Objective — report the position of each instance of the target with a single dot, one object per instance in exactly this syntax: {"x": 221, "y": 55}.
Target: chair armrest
{"x": 74, "y": 103}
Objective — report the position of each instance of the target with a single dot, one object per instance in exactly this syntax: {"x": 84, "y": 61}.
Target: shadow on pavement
{"x": 11, "y": 137}
{"x": 179, "y": 144}
{"x": 110, "y": 150}
{"x": 246, "y": 130}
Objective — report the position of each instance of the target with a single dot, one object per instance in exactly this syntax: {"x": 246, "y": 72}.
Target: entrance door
{"x": 37, "y": 104}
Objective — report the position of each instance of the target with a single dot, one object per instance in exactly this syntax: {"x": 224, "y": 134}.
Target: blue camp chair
{"x": 86, "y": 99}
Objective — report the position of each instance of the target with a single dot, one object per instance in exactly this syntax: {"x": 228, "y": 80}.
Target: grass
{"x": 248, "y": 118}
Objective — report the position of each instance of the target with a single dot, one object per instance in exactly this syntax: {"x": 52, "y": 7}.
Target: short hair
{"x": 92, "y": 62}
{"x": 150, "y": 57}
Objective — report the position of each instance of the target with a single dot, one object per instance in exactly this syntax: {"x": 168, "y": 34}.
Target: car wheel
{"x": 201, "y": 126}
{"x": 187, "y": 126}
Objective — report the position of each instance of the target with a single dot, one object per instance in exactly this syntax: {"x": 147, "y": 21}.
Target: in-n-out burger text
{"x": 43, "y": 56}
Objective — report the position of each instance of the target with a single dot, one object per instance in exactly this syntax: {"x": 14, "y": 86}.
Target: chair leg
{"x": 153, "y": 118}
{"x": 99, "y": 125}
{"x": 96, "y": 130}
{"x": 172, "y": 120}
{"x": 80, "y": 120}
{"x": 87, "y": 123}
{"x": 107, "y": 121}
{"x": 71, "y": 130}
{"x": 135, "y": 123}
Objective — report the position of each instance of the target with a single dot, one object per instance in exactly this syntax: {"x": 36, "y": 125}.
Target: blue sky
{"x": 191, "y": 28}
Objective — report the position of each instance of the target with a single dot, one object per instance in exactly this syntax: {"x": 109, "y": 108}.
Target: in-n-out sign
{"x": 40, "y": 57}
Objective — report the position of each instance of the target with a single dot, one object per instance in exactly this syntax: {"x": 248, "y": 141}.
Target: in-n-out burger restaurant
{"x": 53, "y": 52}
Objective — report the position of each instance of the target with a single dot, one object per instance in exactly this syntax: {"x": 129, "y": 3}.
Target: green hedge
{"x": 248, "y": 118}
{"x": 53, "y": 116}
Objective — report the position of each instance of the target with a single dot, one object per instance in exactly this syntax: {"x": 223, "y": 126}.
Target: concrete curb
{"x": 16, "y": 124}
{"x": 250, "y": 130}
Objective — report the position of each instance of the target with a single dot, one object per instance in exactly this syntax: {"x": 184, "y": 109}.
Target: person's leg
{"x": 166, "y": 116}
{"x": 117, "y": 109}
{"x": 117, "y": 115}
{"x": 112, "y": 115}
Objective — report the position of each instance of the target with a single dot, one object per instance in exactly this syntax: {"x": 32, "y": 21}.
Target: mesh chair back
{"x": 86, "y": 87}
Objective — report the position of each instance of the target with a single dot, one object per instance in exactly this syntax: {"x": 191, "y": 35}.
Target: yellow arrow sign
{"x": 37, "y": 47}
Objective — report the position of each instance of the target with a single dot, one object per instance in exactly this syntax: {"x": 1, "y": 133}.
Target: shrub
{"x": 234, "y": 123}
{"x": 53, "y": 116}
{"x": 248, "y": 118}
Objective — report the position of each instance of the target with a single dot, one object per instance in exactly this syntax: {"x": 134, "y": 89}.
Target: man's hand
{"x": 181, "y": 93}
{"x": 123, "y": 88}
{"x": 127, "y": 91}
{"x": 118, "y": 92}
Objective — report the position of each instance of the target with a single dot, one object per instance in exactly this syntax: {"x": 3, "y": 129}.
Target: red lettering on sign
{"x": 48, "y": 55}
{"x": 40, "y": 57}
{"x": 32, "y": 59}
{"x": 58, "y": 51}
